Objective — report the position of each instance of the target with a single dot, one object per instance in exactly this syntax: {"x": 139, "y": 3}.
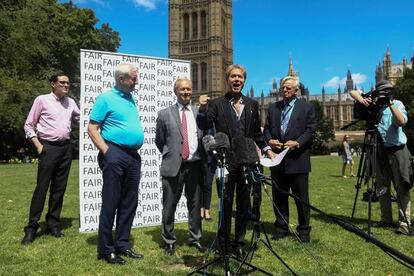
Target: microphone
{"x": 239, "y": 150}
{"x": 208, "y": 142}
{"x": 244, "y": 151}
{"x": 251, "y": 154}
{"x": 222, "y": 141}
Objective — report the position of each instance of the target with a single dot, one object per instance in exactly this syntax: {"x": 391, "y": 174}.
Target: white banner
{"x": 154, "y": 91}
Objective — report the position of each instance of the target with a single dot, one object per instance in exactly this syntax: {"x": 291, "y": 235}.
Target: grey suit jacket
{"x": 169, "y": 140}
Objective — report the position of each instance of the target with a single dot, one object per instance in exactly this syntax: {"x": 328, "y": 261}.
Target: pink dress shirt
{"x": 50, "y": 118}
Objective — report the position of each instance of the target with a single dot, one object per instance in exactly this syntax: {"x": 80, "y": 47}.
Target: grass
{"x": 332, "y": 250}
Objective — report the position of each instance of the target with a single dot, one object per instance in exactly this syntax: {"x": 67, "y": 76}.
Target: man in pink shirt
{"x": 48, "y": 127}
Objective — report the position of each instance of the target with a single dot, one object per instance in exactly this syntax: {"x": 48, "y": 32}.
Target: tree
{"x": 324, "y": 131}
{"x": 39, "y": 37}
{"x": 404, "y": 91}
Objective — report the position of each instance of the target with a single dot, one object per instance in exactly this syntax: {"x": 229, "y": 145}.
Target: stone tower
{"x": 201, "y": 31}
{"x": 349, "y": 82}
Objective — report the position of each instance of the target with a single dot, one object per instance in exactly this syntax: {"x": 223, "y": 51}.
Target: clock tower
{"x": 201, "y": 31}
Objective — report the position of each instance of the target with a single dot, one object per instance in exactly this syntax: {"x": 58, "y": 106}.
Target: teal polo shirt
{"x": 117, "y": 116}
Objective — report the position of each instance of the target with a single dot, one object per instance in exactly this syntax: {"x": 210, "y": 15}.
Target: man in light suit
{"x": 181, "y": 165}
{"x": 291, "y": 124}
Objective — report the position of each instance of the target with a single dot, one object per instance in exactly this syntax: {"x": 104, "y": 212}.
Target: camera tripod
{"x": 367, "y": 170}
{"x": 372, "y": 152}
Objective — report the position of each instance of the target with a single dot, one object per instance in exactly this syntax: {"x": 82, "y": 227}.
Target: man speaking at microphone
{"x": 179, "y": 141}
{"x": 291, "y": 124}
{"x": 237, "y": 116}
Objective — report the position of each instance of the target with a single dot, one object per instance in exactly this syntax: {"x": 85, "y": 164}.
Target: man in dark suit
{"x": 238, "y": 117}
{"x": 291, "y": 124}
{"x": 179, "y": 140}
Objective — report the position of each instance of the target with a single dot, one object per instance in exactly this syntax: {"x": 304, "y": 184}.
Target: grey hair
{"x": 181, "y": 79}
{"x": 287, "y": 78}
{"x": 123, "y": 69}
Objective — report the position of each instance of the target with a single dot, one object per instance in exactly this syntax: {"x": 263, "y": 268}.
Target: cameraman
{"x": 393, "y": 154}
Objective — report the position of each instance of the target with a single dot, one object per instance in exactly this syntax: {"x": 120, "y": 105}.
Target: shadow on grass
{"x": 65, "y": 223}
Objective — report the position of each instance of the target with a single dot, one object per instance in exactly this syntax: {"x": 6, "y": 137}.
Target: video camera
{"x": 380, "y": 97}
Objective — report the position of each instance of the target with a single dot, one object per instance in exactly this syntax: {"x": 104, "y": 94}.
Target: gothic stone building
{"x": 201, "y": 31}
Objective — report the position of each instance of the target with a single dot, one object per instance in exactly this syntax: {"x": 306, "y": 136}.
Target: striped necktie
{"x": 285, "y": 119}
{"x": 186, "y": 149}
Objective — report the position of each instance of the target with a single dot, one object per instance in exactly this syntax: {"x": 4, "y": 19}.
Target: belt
{"x": 126, "y": 149}
{"x": 58, "y": 143}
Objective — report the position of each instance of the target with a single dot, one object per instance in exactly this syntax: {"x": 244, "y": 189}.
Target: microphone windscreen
{"x": 251, "y": 153}
{"x": 222, "y": 141}
{"x": 208, "y": 143}
{"x": 239, "y": 149}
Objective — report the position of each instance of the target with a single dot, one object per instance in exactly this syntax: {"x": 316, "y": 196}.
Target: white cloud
{"x": 149, "y": 5}
{"x": 333, "y": 82}
{"x": 358, "y": 79}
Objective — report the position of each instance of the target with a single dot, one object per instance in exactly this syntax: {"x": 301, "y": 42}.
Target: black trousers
{"x": 298, "y": 184}
{"x": 207, "y": 185}
{"x": 236, "y": 183}
{"x": 52, "y": 171}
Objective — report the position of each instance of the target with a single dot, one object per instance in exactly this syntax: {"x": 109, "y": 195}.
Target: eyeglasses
{"x": 64, "y": 82}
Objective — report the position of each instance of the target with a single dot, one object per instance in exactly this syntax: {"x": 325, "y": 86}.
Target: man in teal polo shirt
{"x": 116, "y": 116}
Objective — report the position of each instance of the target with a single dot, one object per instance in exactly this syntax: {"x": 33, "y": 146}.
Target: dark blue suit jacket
{"x": 301, "y": 128}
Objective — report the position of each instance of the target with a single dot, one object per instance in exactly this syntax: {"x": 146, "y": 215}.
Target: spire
{"x": 291, "y": 71}
{"x": 387, "y": 64}
{"x": 274, "y": 84}
{"x": 349, "y": 82}
{"x": 251, "y": 92}
{"x": 348, "y": 75}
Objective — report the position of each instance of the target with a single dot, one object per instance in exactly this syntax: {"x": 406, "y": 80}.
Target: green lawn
{"x": 332, "y": 249}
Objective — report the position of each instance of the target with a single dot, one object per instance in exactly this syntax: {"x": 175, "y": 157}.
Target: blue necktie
{"x": 285, "y": 119}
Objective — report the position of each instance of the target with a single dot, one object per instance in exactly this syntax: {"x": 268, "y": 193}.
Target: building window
{"x": 203, "y": 24}
{"x": 203, "y": 76}
{"x": 186, "y": 19}
{"x": 194, "y": 18}
{"x": 194, "y": 75}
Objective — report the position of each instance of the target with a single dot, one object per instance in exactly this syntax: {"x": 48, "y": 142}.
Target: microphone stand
{"x": 224, "y": 257}
{"x": 257, "y": 225}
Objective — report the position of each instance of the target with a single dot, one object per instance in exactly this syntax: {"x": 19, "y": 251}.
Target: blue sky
{"x": 324, "y": 37}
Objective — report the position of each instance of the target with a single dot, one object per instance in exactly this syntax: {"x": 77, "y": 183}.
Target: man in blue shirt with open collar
{"x": 120, "y": 136}
{"x": 395, "y": 157}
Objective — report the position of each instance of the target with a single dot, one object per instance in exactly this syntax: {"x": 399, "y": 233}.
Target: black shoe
{"x": 111, "y": 258}
{"x": 383, "y": 224}
{"x": 169, "y": 249}
{"x": 279, "y": 235}
{"x": 130, "y": 253}
{"x": 304, "y": 238}
{"x": 239, "y": 252}
{"x": 199, "y": 246}
{"x": 55, "y": 232}
{"x": 29, "y": 237}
